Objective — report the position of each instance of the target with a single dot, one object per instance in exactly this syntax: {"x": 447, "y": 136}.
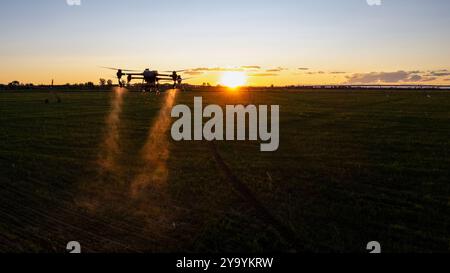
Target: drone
{"x": 150, "y": 78}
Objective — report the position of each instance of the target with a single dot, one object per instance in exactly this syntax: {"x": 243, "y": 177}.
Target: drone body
{"x": 150, "y": 78}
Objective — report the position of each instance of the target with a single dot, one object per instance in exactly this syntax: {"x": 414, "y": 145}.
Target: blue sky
{"x": 50, "y": 39}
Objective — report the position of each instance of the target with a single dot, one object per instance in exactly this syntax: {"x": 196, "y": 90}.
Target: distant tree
{"x": 14, "y": 84}
{"x": 90, "y": 85}
{"x": 102, "y": 82}
{"x": 110, "y": 83}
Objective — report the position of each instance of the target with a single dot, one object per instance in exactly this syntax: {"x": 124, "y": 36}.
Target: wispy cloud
{"x": 244, "y": 68}
{"x": 338, "y": 72}
{"x": 263, "y": 75}
{"x": 377, "y": 77}
{"x": 278, "y": 69}
{"x": 256, "y": 67}
{"x": 429, "y": 79}
{"x": 439, "y": 73}
{"x": 215, "y": 69}
{"x": 193, "y": 73}
{"x": 416, "y": 72}
{"x": 394, "y": 77}
{"x": 315, "y": 72}
{"x": 416, "y": 78}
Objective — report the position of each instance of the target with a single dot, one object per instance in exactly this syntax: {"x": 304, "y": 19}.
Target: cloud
{"x": 278, "y": 69}
{"x": 416, "y": 78}
{"x": 225, "y": 69}
{"x": 251, "y": 67}
{"x": 202, "y": 69}
{"x": 439, "y": 73}
{"x": 263, "y": 75}
{"x": 193, "y": 73}
{"x": 429, "y": 79}
{"x": 303, "y": 68}
{"x": 215, "y": 69}
{"x": 338, "y": 72}
{"x": 386, "y": 77}
{"x": 244, "y": 68}
{"x": 314, "y": 73}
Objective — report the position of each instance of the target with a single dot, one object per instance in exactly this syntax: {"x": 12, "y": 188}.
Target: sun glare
{"x": 233, "y": 79}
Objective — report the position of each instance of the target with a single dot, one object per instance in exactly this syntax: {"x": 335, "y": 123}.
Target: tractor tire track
{"x": 247, "y": 195}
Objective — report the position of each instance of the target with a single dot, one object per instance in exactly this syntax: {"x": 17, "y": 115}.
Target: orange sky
{"x": 336, "y": 42}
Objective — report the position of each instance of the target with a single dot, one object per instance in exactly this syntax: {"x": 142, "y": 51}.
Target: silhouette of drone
{"x": 150, "y": 78}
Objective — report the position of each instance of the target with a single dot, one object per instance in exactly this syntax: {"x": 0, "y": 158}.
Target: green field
{"x": 353, "y": 167}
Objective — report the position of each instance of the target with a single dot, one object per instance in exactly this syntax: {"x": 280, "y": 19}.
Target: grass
{"x": 353, "y": 167}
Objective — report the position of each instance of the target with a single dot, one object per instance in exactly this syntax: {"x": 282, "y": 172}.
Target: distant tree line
{"x": 16, "y": 85}
{"x": 106, "y": 85}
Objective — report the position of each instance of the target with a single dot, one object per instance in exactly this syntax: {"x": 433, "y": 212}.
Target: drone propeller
{"x": 117, "y": 69}
{"x": 186, "y": 79}
{"x": 164, "y": 79}
{"x": 176, "y": 71}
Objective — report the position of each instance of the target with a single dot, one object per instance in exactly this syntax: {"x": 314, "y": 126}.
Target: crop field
{"x": 101, "y": 168}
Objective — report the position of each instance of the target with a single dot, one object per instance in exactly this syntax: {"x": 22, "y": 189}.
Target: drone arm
{"x": 169, "y": 80}
{"x": 137, "y": 78}
{"x": 133, "y": 74}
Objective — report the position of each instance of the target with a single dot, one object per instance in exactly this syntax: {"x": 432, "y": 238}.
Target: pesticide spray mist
{"x": 136, "y": 206}
{"x": 97, "y": 190}
{"x": 155, "y": 153}
{"x": 110, "y": 148}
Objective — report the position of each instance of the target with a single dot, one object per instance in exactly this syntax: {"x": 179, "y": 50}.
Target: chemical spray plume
{"x": 155, "y": 153}
{"x": 110, "y": 148}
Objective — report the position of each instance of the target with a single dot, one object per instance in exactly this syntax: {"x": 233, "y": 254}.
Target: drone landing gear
{"x": 151, "y": 89}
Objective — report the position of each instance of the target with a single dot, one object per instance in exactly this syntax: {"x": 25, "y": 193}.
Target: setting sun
{"x": 233, "y": 79}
